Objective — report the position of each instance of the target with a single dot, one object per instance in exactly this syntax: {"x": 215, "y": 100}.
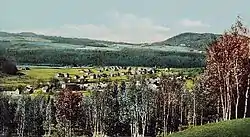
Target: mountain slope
{"x": 197, "y": 41}
{"x": 29, "y": 40}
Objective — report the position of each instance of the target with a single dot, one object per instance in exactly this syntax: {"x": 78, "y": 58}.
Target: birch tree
{"x": 228, "y": 68}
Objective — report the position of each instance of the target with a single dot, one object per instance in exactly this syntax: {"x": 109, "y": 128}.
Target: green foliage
{"x": 189, "y": 85}
{"x": 232, "y": 128}
{"x": 128, "y": 57}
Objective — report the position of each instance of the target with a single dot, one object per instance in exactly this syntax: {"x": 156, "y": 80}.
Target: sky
{"x": 133, "y": 21}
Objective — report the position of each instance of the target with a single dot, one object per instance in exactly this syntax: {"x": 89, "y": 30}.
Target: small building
{"x": 45, "y": 89}
{"x": 81, "y": 71}
{"x": 83, "y": 77}
{"x": 87, "y": 73}
{"x": 59, "y": 75}
{"x": 122, "y": 73}
{"x": 91, "y": 76}
{"x": 76, "y": 77}
{"x": 11, "y": 93}
{"x": 71, "y": 86}
{"x": 81, "y": 80}
{"x": 68, "y": 81}
{"x": 66, "y": 75}
{"x": 28, "y": 90}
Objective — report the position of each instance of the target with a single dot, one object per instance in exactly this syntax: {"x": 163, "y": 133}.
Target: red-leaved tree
{"x": 68, "y": 109}
{"x": 228, "y": 68}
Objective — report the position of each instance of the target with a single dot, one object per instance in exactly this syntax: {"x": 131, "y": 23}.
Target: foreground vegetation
{"x": 232, "y": 128}
{"x": 113, "y": 111}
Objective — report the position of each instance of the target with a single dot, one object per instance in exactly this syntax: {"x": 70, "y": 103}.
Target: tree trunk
{"x": 194, "y": 109}
{"x": 181, "y": 108}
{"x": 218, "y": 109}
{"x": 168, "y": 107}
{"x": 246, "y": 99}
{"x": 143, "y": 125}
{"x": 237, "y": 89}
{"x": 223, "y": 106}
{"x": 228, "y": 97}
{"x": 164, "y": 118}
{"x": 202, "y": 116}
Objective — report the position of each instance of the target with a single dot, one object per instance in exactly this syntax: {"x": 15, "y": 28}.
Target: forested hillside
{"x": 198, "y": 41}
{"x": 30, "y": 48}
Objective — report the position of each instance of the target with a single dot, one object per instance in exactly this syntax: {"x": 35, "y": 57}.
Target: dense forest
{"x": 126, "y": 57}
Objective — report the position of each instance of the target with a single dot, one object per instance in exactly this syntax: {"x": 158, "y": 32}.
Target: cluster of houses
{"x": 90, "y": 79}
{"x": 85, "y": 81}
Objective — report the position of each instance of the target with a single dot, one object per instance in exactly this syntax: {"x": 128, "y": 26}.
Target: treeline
{"x": 127, "y": 57}
{"x": 119, "y": 110}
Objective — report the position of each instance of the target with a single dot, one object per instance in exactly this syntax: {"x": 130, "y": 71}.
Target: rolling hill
{"x": 180, "y": 50}
{"x": 198, "y": 41}
{"x": 182, "y": 42}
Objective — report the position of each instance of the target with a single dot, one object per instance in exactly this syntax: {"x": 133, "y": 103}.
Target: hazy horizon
{"x": 116, "y": 20}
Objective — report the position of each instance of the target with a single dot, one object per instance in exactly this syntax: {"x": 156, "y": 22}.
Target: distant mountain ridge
{"x": 198, "y": 41}
{"x": 76, "y": 41}
{"x": 184, "y": 50}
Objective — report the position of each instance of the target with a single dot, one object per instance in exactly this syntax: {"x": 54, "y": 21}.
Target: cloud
{"x": 193, "y": 23}
{"x": 123, "y": 27}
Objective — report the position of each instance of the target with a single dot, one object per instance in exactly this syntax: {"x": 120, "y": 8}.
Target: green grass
{"x": 232, "y": 128}
{"x": 48, "y": 73}
{"x": 45, "y": 74}
{"x": 35, "y": 74}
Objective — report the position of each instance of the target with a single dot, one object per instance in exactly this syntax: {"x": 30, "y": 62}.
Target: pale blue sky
{"x": 121, "y": 20}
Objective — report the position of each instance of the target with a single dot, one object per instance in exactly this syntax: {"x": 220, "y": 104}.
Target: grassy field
{"x": 232, "y": 128}
{"x": 44, "y": 74}
{"x": 33, "y": 75}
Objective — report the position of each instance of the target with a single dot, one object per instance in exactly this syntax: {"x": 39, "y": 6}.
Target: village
{"x": 89, "y": 80}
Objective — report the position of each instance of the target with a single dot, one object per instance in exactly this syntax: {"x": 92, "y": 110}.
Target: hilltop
{"x": 198, "y": 41}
